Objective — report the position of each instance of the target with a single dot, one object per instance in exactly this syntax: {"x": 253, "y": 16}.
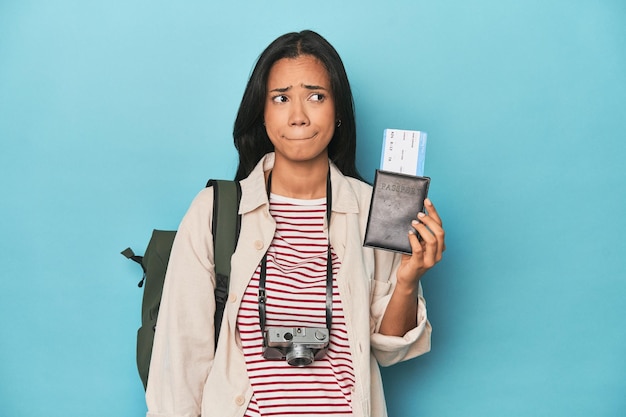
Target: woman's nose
{"x": 298, "y": 115}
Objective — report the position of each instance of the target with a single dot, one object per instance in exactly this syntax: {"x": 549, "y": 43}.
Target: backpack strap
{"x": 128, "y": 252}
{"x": 226, "y": 226}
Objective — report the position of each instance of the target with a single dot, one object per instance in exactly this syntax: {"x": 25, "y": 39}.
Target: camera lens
{"x": 299, "y": 356}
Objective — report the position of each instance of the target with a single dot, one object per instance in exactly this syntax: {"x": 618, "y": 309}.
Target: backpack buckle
{"x": 221, "y": 291}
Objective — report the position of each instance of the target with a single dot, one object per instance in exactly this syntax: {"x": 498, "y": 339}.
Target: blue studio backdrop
{"x": 114, "y": 114}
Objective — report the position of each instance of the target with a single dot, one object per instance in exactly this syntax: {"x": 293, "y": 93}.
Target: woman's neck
{"x": 302, "y": 182}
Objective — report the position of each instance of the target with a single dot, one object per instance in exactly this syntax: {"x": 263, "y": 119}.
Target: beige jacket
{"x": 188, "y": 380}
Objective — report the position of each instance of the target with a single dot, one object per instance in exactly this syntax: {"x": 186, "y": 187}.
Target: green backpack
{"x": 226, "y": 224}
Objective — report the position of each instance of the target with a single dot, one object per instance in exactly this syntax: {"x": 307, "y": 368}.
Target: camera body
{"x": 300, "y": 346}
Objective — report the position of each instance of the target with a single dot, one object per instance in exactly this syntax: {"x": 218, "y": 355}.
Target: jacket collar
{"x": 254, "y": 195}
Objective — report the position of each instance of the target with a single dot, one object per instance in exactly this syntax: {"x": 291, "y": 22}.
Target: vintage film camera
{"x": 300, "y": 346}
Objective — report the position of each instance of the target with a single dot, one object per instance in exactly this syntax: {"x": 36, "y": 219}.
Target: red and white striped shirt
{"x": 296, "y": 297}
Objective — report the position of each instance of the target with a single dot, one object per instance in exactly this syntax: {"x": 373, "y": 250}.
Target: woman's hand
{"x": 427, "y": 251}
{"x": 401, "y": 313}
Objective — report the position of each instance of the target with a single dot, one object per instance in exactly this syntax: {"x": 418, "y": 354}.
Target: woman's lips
{"x": 300, "y": 138}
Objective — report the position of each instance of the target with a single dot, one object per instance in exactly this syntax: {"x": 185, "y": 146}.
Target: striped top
{"x": 296, "y": 297}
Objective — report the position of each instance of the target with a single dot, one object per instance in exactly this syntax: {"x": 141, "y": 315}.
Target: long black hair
{"x": 251, "y": 139}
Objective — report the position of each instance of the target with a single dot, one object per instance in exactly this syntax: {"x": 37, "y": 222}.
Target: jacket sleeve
{"x": 381, "y": 268}
{"x": 183, "y": 347}
{"x": 390, "y": 350}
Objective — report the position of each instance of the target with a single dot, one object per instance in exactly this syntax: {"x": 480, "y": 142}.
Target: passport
{"x": 396, "y": 200}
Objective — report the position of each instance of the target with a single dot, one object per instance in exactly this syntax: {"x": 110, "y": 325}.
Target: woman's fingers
{"x": 432, "y": 211}
{"x": 428, "y": 246}
{"x": 434, "y": 224}
{"x": 431, "y": 231}
{"x": 427, "y": 239}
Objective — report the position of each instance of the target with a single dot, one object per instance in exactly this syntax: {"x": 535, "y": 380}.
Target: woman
{"x": 303, "y": 291}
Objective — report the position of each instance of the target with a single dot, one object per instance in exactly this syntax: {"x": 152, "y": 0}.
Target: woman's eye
{"x": 279, "y": 99}
{"x": 317, "y": 97}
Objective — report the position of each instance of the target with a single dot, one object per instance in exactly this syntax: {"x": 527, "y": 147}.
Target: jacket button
{"x": 258, "y": 245}
{"x": 239, "y": 400}
{"x": 232, "y": 298}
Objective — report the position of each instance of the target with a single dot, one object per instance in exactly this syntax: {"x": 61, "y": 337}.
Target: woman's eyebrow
{"x": 280, "y": 90}
{"x": 305, "y": 86}
{"x": 313, "y": 87}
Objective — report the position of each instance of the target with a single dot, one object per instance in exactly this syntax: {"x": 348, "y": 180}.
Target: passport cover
{"x": 396, "y": 200}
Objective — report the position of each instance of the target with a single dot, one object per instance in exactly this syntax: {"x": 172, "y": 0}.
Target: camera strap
{"x": 329, "y": 263}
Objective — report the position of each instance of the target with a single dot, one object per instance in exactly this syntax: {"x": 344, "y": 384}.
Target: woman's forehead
{"x": 301, "y": 70}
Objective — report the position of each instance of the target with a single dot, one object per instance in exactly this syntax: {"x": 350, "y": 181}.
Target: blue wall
{"x": 112, "y": 116}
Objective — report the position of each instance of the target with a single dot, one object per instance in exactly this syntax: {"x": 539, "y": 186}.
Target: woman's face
{"x": 299, "y": 109}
